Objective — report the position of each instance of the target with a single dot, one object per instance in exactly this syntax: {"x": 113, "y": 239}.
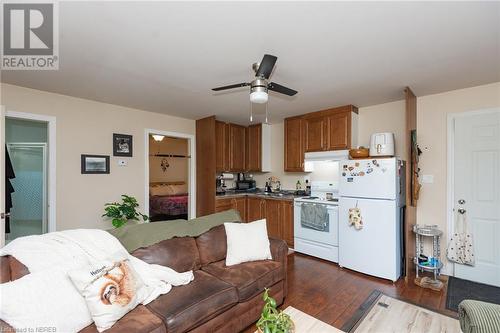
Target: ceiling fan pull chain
{"x": 266, "y": 111}
{"x": 251, "y": 111}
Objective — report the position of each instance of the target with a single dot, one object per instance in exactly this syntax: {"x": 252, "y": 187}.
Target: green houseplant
{"x": 273, "y": 320}
{"x": 122, "y": 212}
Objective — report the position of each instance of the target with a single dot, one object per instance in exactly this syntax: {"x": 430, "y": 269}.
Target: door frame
{"x": 449, "y": 269}
{"x": 51, "y": 163}
{"x": 191, "y": 173}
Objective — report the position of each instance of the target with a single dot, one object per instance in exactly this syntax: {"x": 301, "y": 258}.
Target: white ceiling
{"x": 165, "y": 56}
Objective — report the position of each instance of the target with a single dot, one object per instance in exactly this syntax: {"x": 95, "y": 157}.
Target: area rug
{"x": 459, "y": 289}
{"x": 384, "y": 314}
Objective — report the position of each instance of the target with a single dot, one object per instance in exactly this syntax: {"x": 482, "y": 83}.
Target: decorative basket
{"x": 359, "y": 153}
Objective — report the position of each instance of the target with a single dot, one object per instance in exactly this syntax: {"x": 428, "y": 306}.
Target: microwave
{"x": 245, "y": 184}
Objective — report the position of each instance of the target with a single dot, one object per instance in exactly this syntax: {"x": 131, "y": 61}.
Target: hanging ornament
{"x": 164, "y": 164}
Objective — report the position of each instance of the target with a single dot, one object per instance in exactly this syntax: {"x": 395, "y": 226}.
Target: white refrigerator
{"x": 376, "y": 188}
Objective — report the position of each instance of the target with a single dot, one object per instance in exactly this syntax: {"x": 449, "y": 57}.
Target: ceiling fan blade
{"x": 266, "y": 66}
{"x": 281, "y": 89}
{"x": 238, "y": 85}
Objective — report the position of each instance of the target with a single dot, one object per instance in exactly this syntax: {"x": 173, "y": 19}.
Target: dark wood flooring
{"x": 324, "y": 290}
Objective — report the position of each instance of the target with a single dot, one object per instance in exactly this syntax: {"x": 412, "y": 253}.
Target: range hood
{"x": 331, "y": 155}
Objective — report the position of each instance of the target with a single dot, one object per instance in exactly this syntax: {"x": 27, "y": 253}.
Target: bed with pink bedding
{"x": 166, "y": 203}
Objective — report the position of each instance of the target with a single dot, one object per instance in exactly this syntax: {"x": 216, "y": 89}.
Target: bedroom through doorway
{"x": 169, "y": 177}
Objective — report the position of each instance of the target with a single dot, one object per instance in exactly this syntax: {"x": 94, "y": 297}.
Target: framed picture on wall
{"x": 95, "y": 164}
{"x": 122, "y": 145}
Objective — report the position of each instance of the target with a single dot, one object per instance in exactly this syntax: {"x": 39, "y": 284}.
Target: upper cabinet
{"x": 332, "y": 129}
{"x": 294, "y": 144}
{"x": 221, "y": 146}
{"x": 340, "y": 131}
{"x": 237, "y": 148}
{"x": 316, "y": 133}
{"x": 258, "y": 148}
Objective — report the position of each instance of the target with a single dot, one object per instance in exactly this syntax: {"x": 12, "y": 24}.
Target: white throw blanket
{"x": 50, "y": 256}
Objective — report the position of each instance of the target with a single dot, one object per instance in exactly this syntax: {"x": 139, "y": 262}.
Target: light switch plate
{"x": 122, "y": 163}
{"x": 427, "y": 179}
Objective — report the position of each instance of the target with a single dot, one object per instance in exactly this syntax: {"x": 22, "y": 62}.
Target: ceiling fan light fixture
{"x": 259, "y": 97}
{"x": 158, "y": 137}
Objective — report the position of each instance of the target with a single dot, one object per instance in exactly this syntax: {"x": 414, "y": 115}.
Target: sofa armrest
{"x": 279, "y": 252}
{"x": 279, "y": 249}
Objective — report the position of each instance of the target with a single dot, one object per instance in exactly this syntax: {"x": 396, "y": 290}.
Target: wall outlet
{"x": 427, "y": 179}
{"x": 122, "y": 163}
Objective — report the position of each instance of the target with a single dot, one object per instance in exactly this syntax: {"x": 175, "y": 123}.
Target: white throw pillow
{"x": 247, "y": 242}
{"x": 111, "y": 289}
{"x": 40, "y": 300}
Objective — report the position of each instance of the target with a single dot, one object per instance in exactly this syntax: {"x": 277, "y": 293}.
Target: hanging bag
{"x": 460, "y": 248}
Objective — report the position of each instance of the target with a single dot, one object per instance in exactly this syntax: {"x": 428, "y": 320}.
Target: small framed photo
{"x": 122, "y": 145}
{"x": 95, "y": 164}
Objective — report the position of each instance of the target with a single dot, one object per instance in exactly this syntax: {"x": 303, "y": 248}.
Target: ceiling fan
{"x": 259, "y": 86}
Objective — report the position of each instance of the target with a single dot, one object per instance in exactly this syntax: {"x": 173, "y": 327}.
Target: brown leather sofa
{"x": 219, "y": 299}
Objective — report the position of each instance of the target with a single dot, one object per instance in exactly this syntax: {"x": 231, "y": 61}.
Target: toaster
{"x": 382, "y": 144}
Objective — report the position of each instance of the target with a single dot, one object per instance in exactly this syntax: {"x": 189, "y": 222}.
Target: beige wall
{"x": 388, "y": 117}
{"x": 87, "y": 127}
{"x": 178, "y": 167}
{"x": 432, "y": 112}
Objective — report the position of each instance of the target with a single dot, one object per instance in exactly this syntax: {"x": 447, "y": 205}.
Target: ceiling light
{"x": 158, "y": 137}
{"x": 258, "y": 91}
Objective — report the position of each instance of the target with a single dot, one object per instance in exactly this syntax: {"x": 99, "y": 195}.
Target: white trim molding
{"x": 192, "y": 167}
{"x": 449, "y": 267}
{"x": 52, "y": 173}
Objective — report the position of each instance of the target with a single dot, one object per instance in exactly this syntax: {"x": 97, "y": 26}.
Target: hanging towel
{"x": 460, "y": 248}
{"x": 314, "y": 216}
{"x": 9, "y": 189}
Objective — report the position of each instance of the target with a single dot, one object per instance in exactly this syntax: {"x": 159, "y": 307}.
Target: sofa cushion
{"x": 212, "y": 245}
{"x": 180, "y": 254}
{"x": 138, "y": 320}
{"x": 188, "y": 306}
{"x": 249, "y": 278}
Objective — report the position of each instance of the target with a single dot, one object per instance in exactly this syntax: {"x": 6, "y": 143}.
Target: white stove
{"x": 318, "y": 238}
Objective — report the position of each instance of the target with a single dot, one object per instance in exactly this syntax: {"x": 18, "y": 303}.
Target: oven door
{"x": 326, "y": 235}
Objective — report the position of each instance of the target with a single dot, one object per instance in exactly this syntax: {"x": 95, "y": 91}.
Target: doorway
{"x": 169, "y": 176}
{"x": 26, "y": 170}
{"x": 474, "y": 190}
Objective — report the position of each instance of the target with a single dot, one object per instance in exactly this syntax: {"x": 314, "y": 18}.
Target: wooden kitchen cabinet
{"x": 237, "y": 148}
{"x": 316, "y": 134}
{"x": 339, "y": 131}
{"x": 294, "y": 144}
{"x": 273, "y": 218}
{"x": 287, "y": 222}
{"x": 222, "y": 205}
{"x": 239, "y": 204}
{"x": 256, "y": 209}
{"x": 221, "y": 146}
{"x": 254, "y": 148}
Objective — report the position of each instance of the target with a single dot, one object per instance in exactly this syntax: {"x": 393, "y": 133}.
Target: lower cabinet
{"x": 287, "y": 218}
{"x": 256, "y": 209}
{"x": 274, "y": 218}
{"x": 240, "y": 204}
{"x": 278, "y": 214}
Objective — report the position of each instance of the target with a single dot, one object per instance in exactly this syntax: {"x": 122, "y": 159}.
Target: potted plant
{"x": 123, "y": 212}
{"x": 273, "y": 320}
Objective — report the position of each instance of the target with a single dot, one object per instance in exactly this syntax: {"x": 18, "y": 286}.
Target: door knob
{"x": 461, "y": 201}
{"x": 462, "y": 211}
{"x": 4, "y": 215}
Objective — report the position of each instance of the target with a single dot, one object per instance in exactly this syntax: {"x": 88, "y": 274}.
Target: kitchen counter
{"x": 283, "y": 195}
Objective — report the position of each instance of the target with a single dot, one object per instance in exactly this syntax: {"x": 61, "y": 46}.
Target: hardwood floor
{"x": 331, "y": 294}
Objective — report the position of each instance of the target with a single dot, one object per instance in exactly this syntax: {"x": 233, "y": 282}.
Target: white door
{"x": 477, "y": 182}
{"x": 2, "y": 176}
